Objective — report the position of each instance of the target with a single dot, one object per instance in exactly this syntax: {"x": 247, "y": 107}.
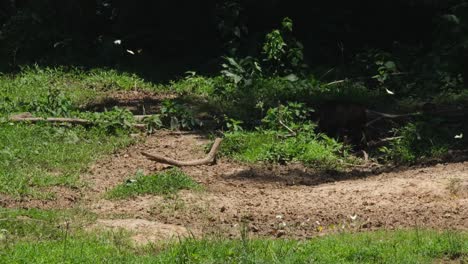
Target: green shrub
{"x": 424, "y": 140}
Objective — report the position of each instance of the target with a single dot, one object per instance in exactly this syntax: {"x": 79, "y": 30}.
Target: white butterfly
{"x": 131, "y": 52}
{"x": 388, "y": 91}
{"x": 459, "y": 136}
{"x": 117, "y": 42}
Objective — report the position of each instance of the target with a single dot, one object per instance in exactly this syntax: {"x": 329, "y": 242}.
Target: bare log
{"x": 78, "y": 121}
{"x": 28, "y": 118}
{"x": 209, "y": 159}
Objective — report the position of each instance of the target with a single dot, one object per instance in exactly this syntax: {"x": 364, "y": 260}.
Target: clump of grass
{"x": 164, "y": 183}
{"x": 269, "y": 146}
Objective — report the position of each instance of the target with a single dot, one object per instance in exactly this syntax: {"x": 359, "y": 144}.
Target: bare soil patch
{"x": 138, "y": 101}
{"x": 290, "y": 201}
{"x": 61, "y": 198}
{"x": 280, "y": 201}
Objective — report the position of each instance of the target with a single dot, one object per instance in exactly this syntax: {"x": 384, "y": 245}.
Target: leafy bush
{"x": 55, "y": 104}
{"x": 423, "y": 140}
{"x": 242, "y": 72}
{"x": 293, "y": 116}
{"x": 114, "y": 121}
{"x": 287, "y": 135}
{"x": 284, "y": 54}
{"x": 177, "y": 116}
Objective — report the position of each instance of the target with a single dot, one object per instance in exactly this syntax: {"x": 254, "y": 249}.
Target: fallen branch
{"x": 78, "y": 121}
{"x": 28, "y": 118}
{"x": 362, "y": 78}
{"x": 382, "y": 141}
{"x": 210, "y": 159}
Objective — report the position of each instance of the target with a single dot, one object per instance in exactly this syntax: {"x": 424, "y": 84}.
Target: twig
{"x": 289, "y": 129}
{"x": 382, "y": 141}
{"x": 362, "y": 78}
{"x": 209, "y": 159}
{"x": 335, "y": 82}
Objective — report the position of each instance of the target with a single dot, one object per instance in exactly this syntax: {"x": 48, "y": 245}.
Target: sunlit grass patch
{"x": 36, "y": 156}
{"x": 163, "y": 183}
{"x": 269, "y": 146}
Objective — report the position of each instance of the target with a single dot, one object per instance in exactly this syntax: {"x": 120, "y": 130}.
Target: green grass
{"x": 270, "y": 146}
{"x": 18, "y": 91}
{"x": 36, "y": 156}
{"x": 163, "y": 183}
{"x": 33, "y": 225}
{"x": 377, "y": 247}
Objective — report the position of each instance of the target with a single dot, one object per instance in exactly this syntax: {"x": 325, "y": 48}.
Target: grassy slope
{"x": 37, "y": 156}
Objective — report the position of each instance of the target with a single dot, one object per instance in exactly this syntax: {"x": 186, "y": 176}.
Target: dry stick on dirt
{"x": 210, "y": 159}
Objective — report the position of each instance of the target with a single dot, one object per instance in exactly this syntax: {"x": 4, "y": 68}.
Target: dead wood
{"x": 28, "y": 118}
{"x": 382, "y": 141}
{"x": 209, "y": 159}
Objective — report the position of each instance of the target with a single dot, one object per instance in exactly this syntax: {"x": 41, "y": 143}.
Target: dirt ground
{"x": 275, "y": 201}
{"x": 279, "y": 201}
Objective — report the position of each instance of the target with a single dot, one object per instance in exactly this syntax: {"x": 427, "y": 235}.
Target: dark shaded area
{"x": 298, "y": 175}
{"x": 171, "y": 37}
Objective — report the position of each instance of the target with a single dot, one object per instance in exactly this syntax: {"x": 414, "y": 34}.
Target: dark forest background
{"x": 171, "y": 37}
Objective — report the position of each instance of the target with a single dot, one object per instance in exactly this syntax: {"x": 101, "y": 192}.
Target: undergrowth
{"x": 425, "y": 140}
{"x": 312, "y": 150}
{"x": 285, "y": 135}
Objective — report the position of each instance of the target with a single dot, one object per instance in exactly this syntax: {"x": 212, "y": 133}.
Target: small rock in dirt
{"x": 223, "y": 209}
{"x": 280, "y": 233}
